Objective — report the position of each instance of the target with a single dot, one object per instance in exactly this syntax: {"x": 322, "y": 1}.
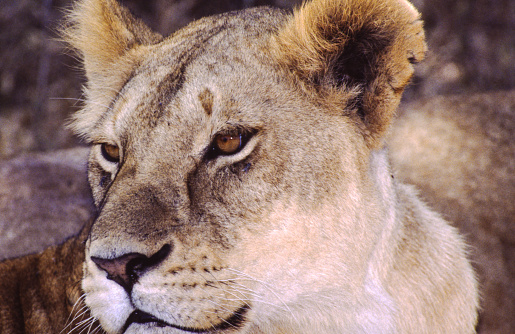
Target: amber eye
{"x": 110, "y": 152}
{"x": 227, "y": 144}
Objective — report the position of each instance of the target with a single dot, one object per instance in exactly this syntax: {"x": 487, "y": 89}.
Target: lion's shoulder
{"x": 39, "y": 291}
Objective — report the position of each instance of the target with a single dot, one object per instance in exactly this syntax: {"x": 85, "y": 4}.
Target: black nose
{"x": 126, "y": 269}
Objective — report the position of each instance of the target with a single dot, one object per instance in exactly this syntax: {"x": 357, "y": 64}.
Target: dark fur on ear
{"x": 366, "y": 48}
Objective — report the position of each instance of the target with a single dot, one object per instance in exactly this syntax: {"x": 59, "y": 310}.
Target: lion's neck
{"x": 380, "y": 301}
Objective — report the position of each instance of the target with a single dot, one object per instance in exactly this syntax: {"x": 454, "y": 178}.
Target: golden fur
{"x": 242, "y": 187}
{"x": 39, "y": 292}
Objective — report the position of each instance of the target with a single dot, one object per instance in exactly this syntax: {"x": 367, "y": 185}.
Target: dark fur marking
{"x": 357, "y": 63}
{"x": 206, "y": 100}
{"x": 174, "y": 81}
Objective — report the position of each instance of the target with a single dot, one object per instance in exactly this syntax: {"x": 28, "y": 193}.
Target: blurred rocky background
{"x": 464, "y": 90}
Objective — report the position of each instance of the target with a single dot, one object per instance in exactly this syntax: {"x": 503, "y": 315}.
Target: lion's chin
{"x": 235, "y": 321}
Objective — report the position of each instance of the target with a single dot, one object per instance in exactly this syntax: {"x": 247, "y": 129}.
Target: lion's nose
{"x": 126, "y": 269}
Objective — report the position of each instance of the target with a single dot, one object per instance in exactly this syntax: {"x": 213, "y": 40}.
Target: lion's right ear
{"x": 109, "y": 40}
{"x": 103, "y": 32}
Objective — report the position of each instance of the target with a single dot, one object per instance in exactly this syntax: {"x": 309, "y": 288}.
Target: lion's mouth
{"x": 236, "y": 320}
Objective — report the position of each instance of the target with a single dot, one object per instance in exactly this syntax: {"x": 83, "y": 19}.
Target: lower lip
{"x": 140, "y": 317}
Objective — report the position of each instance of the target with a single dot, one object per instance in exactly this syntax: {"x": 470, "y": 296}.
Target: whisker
{"x": 97, "y": 329}
{"x": 90, "y": 326}
{"x": 215, "y": 279}
{"x": 83, "y": 100}
{"x": 71, "y": 313}
{"x": 267, "y": 286}
{"x": 257, "y": 299}
{"x": 78, "y": 310}
{"x": 240, "y": 292}
{"x": 79, "y": 326}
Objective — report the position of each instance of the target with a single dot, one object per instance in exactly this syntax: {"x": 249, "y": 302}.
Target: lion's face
{"x": 235, "y": 185}
{"x": 230, "y": 192}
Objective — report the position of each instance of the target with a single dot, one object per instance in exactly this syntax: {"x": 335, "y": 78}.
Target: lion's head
{"x": 231, "y": 164}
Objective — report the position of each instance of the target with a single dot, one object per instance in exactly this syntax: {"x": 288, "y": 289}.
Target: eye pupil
{"x": 110, "y": 152}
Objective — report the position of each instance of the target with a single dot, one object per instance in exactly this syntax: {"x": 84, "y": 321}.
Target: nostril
{"x": 158, "y": 257}
{"x": 138, "y": 266}
{"x": 118, "y": 269}
{"x": 126, "y": 269}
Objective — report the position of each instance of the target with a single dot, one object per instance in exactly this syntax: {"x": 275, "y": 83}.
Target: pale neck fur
{"x": 381, "y": 303}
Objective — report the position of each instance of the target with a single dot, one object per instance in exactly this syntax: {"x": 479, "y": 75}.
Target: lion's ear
{"x": 110, "y": 41}
{"x": 364, "y": 46}
{"x": 102, "y": 32}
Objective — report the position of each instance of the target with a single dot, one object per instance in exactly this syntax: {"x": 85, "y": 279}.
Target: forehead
{"x": 212, "y": 70}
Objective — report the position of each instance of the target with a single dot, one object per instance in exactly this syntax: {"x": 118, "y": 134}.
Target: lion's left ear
{"x": 358, "y": 51}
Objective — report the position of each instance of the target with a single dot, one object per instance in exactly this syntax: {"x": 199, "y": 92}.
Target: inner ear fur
{"x": 357, "y": 53}
{"x": 108, "y": 40}
{"x": 102, "y": 31}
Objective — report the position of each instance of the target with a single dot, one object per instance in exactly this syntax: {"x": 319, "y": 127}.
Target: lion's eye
{"x": 110, "y": 152}
{"x": 227, "y": 144}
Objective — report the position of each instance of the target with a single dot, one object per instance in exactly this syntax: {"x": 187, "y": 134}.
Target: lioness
{"x": 241, "y": 184}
